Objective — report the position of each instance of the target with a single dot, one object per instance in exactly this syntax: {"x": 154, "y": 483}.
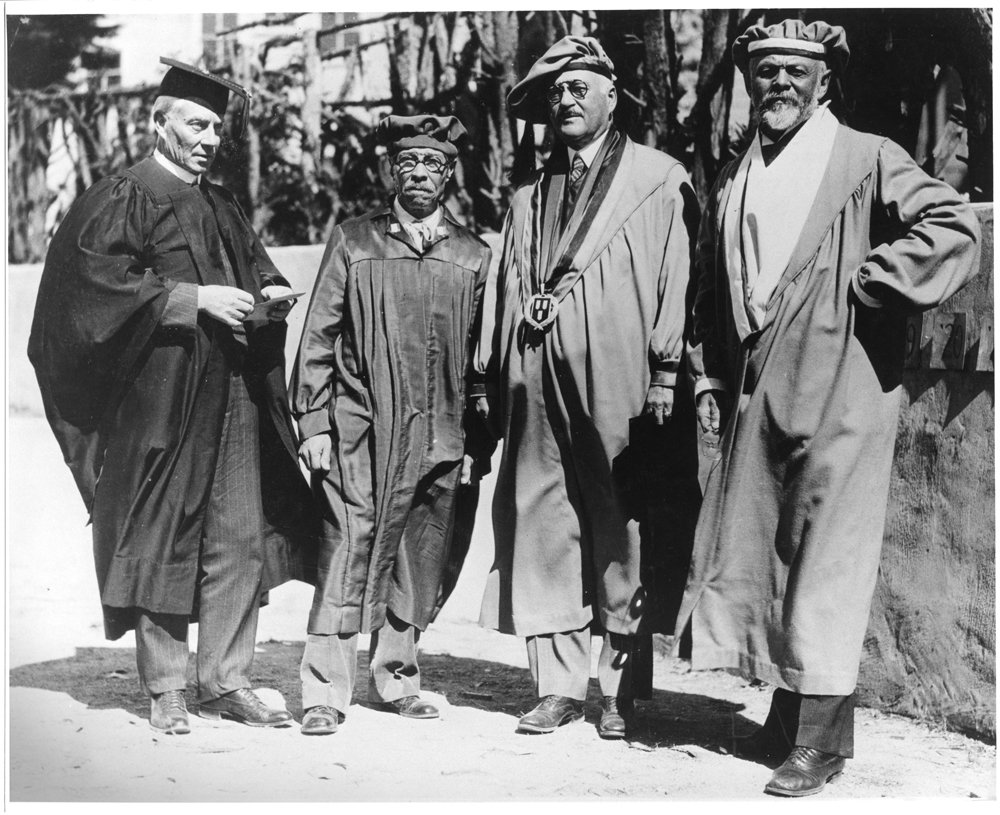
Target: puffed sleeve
{"x": 932, "y": 237}
{"x": 312, "y": 383}
{"x": 484, "y": 377}
{"x": 706, "y": 362}
{"x": 99, "y": 303}
{"x": 677, "y": 230}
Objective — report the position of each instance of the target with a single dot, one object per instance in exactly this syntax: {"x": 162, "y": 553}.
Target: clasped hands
{"x": 230, "y": 305}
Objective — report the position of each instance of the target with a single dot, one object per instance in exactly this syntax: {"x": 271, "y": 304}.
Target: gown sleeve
{"x": 667, "y": 340}
{"x": 311, "y": 388}
{"x": 932, "y": 238}
{"x": 99, "y": 303}
{"x": 484, "y": 377}
{"x": 706, "y": 362}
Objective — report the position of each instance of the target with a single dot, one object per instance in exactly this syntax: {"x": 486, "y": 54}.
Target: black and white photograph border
{"x": 77, "y": 724}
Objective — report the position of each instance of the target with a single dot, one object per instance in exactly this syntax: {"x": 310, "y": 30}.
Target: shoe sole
{"x": 611, "y": 734}
{"x": 318, "y": 731}
{"x": 215, "y": 716}
{"x": 534, "y": 728}
{"x": 386, "y": 707}
{"x": 177, "y": 730}
{"x": 801, "y": 793}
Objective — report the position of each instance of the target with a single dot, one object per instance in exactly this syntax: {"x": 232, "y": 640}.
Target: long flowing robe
{"x": 570, "y": 510}
{"x": 136, "y": 399}
{"x": 787, "y": 546}
{"x": 382, "y": 366}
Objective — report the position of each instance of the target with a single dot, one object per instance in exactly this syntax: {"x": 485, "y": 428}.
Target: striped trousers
{"x": 229, "y": 574}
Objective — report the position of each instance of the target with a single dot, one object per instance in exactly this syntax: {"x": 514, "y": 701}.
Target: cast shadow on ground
{"x": 106, "y": 678}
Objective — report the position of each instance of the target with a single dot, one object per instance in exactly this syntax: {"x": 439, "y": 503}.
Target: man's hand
{"x": 315, "y": 452}
{"x": 709, "y": 413}
{"x": 483, "y": 407}
{"x": 469, "y": 471}
{"x": 226, "y": 304}
{"x": 278, "y": 311}
{"x": 659, "y": 402}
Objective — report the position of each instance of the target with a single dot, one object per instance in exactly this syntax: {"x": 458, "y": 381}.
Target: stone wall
{"x": 931, "y": 645}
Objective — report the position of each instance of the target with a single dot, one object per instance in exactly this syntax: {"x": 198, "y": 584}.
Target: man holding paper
{"x": 170, "y": 407}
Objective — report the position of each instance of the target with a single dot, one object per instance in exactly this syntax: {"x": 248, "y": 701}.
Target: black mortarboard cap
{"x": 188, "y": 82}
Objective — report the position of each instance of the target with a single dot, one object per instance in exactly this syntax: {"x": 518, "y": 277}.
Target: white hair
{"x": 162, "y": 105}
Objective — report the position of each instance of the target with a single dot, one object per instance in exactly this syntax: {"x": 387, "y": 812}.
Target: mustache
{"x": 774, "y": 99}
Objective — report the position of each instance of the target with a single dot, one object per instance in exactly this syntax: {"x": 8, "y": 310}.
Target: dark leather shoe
{"x": 320, "y": 720}
{"x": 168, "y": 713}
{"x": 805, "y": 772}
{"x": 550, "y": 713}
{"x": 243, "y": 705}
{"x": 411, "y": 707}
{"x": 614, "y": 718}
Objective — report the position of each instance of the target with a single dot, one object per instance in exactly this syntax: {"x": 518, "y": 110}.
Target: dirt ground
{"x": 78, "y": 724}
{"x": 79, "y": 732}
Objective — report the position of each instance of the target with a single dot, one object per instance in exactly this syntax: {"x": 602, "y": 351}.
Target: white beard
{"x": 785, "y": 115}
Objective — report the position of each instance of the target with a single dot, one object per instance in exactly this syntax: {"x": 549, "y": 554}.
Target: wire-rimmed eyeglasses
{"x": 576, "y": 87}
{"x": 408, "y": 164}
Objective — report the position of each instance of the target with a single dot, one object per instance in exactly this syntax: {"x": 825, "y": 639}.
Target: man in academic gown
{"x": 581, "y": 349}
{"x": 379, "y": 394}
{"x": 167, "y": 398}
{"x": 816, "y": 244}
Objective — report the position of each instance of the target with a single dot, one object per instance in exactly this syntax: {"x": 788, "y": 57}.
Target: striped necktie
{"x": 576, "y": 174}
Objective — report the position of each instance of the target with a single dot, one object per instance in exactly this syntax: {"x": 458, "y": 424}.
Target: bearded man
{"x": 379, "y": 394}
{"x": 165, "y": 387}
{"x": 816, "y": 244}
{"x": 581, "y": 346}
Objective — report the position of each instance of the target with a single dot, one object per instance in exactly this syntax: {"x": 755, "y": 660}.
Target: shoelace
{"x": 250, "y": 698}
{"x": 323, "y": 710}
{"x": 808, "y": 755}
{"x": 172, "y": 703}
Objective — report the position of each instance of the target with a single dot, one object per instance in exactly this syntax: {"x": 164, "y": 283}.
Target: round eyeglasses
{"x": 408, "y": 164}
{"x": 577, "y": 89}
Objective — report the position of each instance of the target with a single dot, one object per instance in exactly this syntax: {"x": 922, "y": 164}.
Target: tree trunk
{"x": 658, "y": 89}
{"x": 972, "y": 37}
{"x": 715, "y": 60}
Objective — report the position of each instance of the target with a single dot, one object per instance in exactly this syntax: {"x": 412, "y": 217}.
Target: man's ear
{"x": 159, "y": 121}
{"x": 824, "y": 83}
{"x": 613, "y": 97}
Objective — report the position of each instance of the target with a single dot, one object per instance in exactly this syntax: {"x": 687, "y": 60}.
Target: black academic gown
{"x": 137, "y": 402}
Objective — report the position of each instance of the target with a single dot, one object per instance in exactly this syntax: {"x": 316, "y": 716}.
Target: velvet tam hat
{"x": 405, "y": 132}
{"x": 526, "y": 99}
{"x": 816, "y": 40}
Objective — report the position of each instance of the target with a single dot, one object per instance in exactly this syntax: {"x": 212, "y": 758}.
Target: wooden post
{"x": 312, "y": 108}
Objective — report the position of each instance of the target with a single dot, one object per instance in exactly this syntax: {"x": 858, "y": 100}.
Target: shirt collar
{"x": 175, "y": 169}
{"x": 406, "y": 219}
{"x": 589, "y": 153}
